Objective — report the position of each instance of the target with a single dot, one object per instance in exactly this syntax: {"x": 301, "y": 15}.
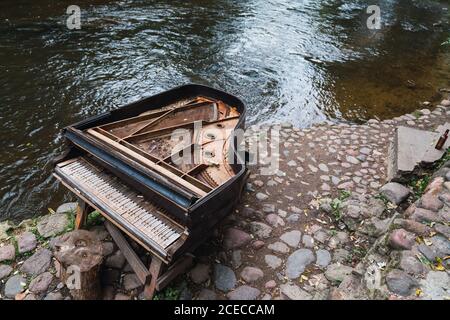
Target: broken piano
{"x": 163, "y": 171}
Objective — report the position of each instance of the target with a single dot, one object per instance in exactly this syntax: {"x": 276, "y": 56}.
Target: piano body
{"x": 164, "y": 170}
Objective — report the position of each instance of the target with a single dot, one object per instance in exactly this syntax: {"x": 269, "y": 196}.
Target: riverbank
{"x": 310, "y": 231}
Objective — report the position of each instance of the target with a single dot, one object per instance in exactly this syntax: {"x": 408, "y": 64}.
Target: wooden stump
{"x": 80, "y": 257}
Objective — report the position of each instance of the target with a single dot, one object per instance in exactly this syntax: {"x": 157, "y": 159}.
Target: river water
{"x": 301, "y": 61}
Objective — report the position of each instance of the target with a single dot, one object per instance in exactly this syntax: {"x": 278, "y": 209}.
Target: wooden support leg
{"x": 155, "y": 270}
{"x": 82, "y": 212}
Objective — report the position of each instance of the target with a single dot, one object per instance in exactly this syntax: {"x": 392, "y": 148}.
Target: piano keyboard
{"x": 110, "y": 193}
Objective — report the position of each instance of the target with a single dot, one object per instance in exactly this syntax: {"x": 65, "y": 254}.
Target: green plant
{"x": 383, "y": 198}
{"x": 419, "y": 185}
{"x": 169, "y": 293}
{"x": 336, "y": 208}
{"x": 94, "y": 218}
{"x": 344, "y": 195}
{"x": 71, "y": 224}
{"x": 417, "y": 114}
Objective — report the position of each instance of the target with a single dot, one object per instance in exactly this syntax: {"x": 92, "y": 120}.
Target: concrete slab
{"x": 432, "y": 154}
{"x": 413, "y": 147}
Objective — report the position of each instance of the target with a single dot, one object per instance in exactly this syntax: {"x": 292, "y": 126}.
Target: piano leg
{"x": 83, "y": 210}
{"x": 155, "y": 270}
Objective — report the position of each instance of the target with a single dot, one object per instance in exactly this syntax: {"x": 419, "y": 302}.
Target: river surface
{"x": 300, "y": 61}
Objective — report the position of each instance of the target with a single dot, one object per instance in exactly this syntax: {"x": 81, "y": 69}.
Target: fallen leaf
{"x": 418, "y": 292}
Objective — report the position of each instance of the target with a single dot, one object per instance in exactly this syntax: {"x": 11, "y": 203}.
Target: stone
{"x": 236, "y": 259}
{"x": 251, "y": 274}
{"x": 395, "y": 192}
{"x": 374, "y": 227}
{"x": 424, "y": 215}
{"x": 7, "y": 253}
{"x": 335, "y": 180}
{"x": 100, "y": 232}
{"x": 258, "y": 244}
{"x": 38, "y": 263}
{"x": 308, "y": 241}
{"x": 261, "y": 196}
{"x": 69, "y": 207}
{"x": 108, "y": 248}
{"x": 410, "y": 264}
{"x": 441, "y": 245}
{"x": 321, "y": 236}
{"x": 5, "y": 226}
{"x": 116, "y": 261}
{"x": 428, "y": 252}
{"x": 261, "y": 230}
{"x": 401, "y": 239}
{"x": 244, "y": 293}
{"x": 293, "y": 218}
{"x": 340, "y": 255}
{"x": 200, "y": 273}
{"x": 206, "y": 294}
{"x": 272, "y": 261}
{"x": 122, "y": 296}
{"x": 131, "y": 282}
{"x": 266, "y": 296}
{"x": 258, "y": 183}
{"x": 443, "y": 229}
{"x": 350, "y": 288}
{"x": 268, "y": 208}
{"x": 224, "y": 278}
{"x": 352, "y": 160}
{"x": 52, "y": 224}
{"x": 41, "y": 283}
{"x": 346, "y": 185}
{"x": 323, "y": 167}
{"x": 274, "y": 220}
{"x": 235, "y": 238}
{"x": 249, "y": 212}
{"x": 336, "y": 272}
{"x": 413, "y": 226}
{"x": 294, "y": 292}
{"x": 271, "y": 284}
{"x": 399, "y": 282}
{"x": 279, "y": 247}
{"x": 292, "y": 163}
{"x": 325, "y": 187}
{"x": 436, "y": 286}
{"x": 26, "y": 242}
{"x": 292, "y": 238}
{"x": 431, "y": 202}
{"x": 445, "y": 103}
{"x": 323, "y": 258}
{"x": 30, "y": 297}
{"x": 297, "y": 262}
{"x": 54, "y": 296}
{"x": 445, "y": 198}
{"x": 365, "y": 151}
{"x": 185, "y": 294}
{"x": 14, "y": 285}
{"x": 5, "y": 271}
